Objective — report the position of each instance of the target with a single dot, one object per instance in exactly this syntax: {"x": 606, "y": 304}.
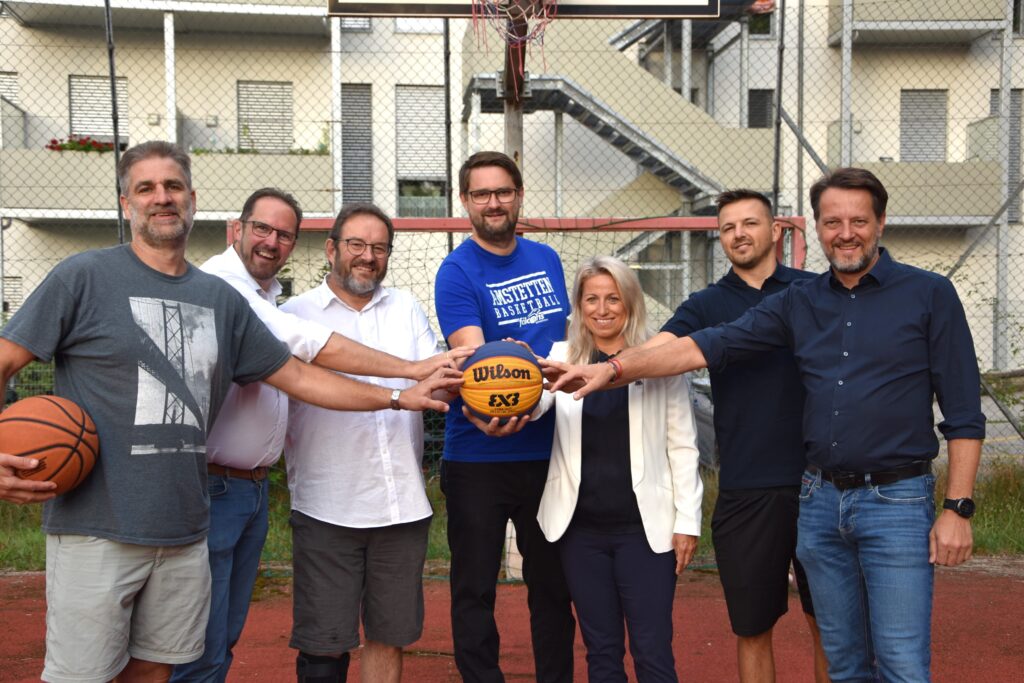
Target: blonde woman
{"x": 623, "y": 494}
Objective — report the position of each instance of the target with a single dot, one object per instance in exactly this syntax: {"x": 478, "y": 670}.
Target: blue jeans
{"x": 865, "y": 551}
{"x": 238, "y": 529}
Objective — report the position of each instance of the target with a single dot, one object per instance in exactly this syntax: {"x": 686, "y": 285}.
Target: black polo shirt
{"x": 759, "y": 401}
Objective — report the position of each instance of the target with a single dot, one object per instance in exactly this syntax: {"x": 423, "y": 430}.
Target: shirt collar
{"x": 325, "y": 296}
{"x": 234, "y": 264}
{"x": 780, "y": 274}
{"x": 879, "y": 273}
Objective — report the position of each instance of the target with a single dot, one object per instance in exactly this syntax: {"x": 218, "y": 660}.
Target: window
{"x": 12, "y": 294}
{"x": 761, "y": 25}
{"x": 9, "y": 86}
{"x": 356, "y": 143}
{"x": 1016, "y": 16}
{"x": 420, "y": 150}
{"x": 422, "y": 198}
{"x": 419, "y": 25}
{"x": 923, "y": 125}
{"x": 265, "y": 116}
{"x": 759, "y": 108}
{"x": 356, "y": 24}
{"x": 91, "y": 113}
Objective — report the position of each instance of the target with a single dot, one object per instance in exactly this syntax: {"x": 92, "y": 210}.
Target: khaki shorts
{"x": 107, "y": 602}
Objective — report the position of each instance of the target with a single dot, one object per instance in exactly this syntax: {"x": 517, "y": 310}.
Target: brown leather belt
{"x": 258, "y": 474}
{"x": 851, "y": 480}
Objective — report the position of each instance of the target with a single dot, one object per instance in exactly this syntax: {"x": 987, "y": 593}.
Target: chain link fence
{"x": 628, "y": 119}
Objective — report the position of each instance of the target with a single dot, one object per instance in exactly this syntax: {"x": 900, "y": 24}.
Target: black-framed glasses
{"x": 505, "y": 195}
{"x": 263, "y": 230}
{"x": 357, "y": 246}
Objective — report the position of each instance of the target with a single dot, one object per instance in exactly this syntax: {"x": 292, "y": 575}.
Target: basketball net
{"x": 518, "y": 22}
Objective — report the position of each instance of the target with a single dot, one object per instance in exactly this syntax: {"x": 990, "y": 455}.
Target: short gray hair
{"x": 153, "y": 148}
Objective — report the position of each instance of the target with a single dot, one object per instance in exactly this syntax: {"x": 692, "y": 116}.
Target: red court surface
{"x": 976, "y": 631}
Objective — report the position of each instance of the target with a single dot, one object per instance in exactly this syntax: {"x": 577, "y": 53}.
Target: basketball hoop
{"x": 517, "y": 21}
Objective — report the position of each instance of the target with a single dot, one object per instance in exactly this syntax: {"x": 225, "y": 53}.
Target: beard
{"x": 499, "y": 235}
{"x": 359, "y": 286}
{"x": 159, "y": 237}
{"x": 855, "y": 265}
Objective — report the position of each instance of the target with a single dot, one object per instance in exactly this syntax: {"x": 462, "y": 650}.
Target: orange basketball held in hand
{"x": 56, "y": 432}
{"x": 502, "y": 379}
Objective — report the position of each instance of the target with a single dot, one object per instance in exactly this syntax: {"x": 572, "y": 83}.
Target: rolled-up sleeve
{"x": 954, "y": 366}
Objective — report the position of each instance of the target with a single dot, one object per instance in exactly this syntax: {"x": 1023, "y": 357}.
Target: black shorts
{"x": 754, "y": 534}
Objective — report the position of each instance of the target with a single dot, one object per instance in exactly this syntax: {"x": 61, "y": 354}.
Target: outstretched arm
{"x": 336, "y": 392}
{"x": 14, "y": 489}
{"x": 345, "y": 355}
{"x": 671, "y": 358}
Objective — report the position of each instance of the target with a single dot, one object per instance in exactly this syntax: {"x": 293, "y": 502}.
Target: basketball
{"x": 502, "y": 379}
{"x": 56, "y": 432}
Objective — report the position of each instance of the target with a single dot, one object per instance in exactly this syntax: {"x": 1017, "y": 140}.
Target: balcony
{"x": 43, "y": 184}
{"x": 949, "y": 22}
{"x": 294, "y": 17}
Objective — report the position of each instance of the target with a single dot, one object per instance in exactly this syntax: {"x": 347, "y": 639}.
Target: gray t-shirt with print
{"x": 150, "y": 357}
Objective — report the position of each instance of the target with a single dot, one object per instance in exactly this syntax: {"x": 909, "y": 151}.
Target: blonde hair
{"x": 581, "y": 343}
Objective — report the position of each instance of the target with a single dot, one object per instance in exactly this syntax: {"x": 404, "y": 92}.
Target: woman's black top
{"x": 606, "y": 500}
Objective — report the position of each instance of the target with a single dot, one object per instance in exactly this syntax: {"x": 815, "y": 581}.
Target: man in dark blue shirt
{"x": 874, "y": 342}
{"x": 761, "y": 452}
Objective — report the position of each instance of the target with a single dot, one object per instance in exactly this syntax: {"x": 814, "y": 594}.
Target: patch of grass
{"x": 998, "y": 524}
{"x": 437, "y": 541}
{"x": 705, "y": 551}
{"x": 22, "y": 543}
{"x": 278, "y": 547}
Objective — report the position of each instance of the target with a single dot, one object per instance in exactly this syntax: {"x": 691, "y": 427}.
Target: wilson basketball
{"x": 502, "y": 379}
{"x": 56, "y": 432}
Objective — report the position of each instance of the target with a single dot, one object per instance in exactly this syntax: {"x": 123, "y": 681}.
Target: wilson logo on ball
{"x": 502, "y": 379}
{"x": 499, "y": 371}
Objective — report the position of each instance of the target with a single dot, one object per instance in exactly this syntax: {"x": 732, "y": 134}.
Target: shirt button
{"x": 840, "y": 382}
{"x": 834, "y": 444}
{"x": 849, "y": 324}
{"x": 845, "y": 354}
{"x": 836, "y": 412}
{"x": 853, "y": 296}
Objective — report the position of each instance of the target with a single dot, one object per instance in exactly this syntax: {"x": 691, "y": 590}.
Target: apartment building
{"x": 623, "y": 118}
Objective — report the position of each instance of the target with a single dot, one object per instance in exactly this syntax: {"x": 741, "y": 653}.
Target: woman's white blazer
{"x": 662, "y": 454}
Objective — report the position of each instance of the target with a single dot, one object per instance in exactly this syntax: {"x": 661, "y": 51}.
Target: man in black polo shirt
{"x": 761, "y": 451}
{"x": 875, "y": 342}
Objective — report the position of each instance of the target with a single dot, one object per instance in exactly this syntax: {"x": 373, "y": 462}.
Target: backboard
{"x": 593, "y": 9}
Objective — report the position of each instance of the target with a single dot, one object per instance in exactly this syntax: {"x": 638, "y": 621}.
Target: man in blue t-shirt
{"x": 761, "y": 449}
{"x": 493, "y": 286}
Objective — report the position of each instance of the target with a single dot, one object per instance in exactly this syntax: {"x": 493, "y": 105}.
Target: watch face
{"x": 965, "y": 507}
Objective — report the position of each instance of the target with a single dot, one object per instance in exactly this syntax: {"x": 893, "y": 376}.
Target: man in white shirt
{"x": 249, "y": 434}
{"x": 360, "y": 516}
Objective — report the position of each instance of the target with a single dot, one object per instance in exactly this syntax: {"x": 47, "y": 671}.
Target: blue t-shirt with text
{"x": 522, "y": 296}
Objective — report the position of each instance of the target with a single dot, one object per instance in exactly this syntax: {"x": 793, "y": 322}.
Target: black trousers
{"x": 481, "y": 498}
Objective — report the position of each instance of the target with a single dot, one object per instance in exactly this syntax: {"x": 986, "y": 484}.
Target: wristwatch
{"x": 394, "y": 399}
{"x": 961, "y": 506}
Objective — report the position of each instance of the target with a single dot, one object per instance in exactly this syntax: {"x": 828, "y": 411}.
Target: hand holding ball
{"x": 56, "y": 432}
{"x": 502, "y": 379}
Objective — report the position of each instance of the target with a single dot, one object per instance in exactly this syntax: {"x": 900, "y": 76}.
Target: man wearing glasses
{"x": 360, "y": 515}
{"x": 497, "y": 285}
{"x": 249, "y": 434}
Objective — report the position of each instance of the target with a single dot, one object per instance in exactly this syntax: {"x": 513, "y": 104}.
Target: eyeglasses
{"x": 505, "y": 195}
{"x": 264, "y": 230}
{"x": 357, "y": 246}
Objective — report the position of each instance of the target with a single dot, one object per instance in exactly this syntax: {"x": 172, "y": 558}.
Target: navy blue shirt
{"x": 759, "y": 402}
{"x": 871, "y": 360}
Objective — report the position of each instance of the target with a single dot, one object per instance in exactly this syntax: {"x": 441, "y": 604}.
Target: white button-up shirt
{"x": 250, "y": 428}
{"x": 361, "y": 469}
